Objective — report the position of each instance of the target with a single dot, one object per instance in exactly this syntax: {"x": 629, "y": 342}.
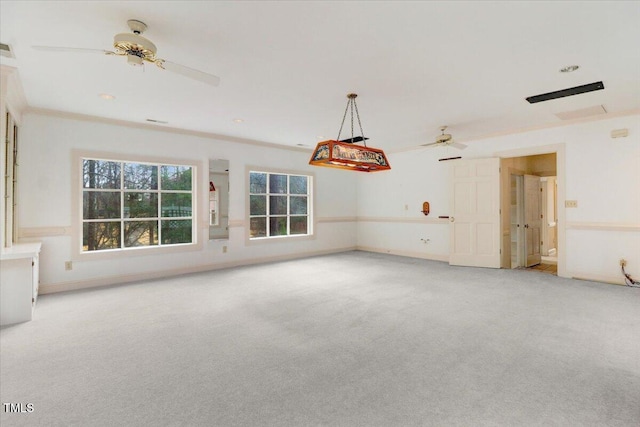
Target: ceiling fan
{"x": 445, "y": 140}
{"x": 138, "y": 49}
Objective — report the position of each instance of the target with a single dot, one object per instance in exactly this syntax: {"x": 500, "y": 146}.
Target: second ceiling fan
{"x": 445, "y": 140}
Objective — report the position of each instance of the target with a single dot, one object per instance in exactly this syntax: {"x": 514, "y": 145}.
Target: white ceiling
{"x": 286, "y": 67}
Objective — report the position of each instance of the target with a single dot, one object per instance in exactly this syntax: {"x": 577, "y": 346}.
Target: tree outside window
{"x": 279, "y": 204}
{"x": 132, "y": 204}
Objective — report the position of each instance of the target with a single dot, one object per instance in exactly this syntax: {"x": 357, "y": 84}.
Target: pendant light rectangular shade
{"x": 336, "y": 154}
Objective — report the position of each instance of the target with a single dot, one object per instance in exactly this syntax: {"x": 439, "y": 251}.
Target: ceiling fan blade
{"x": 72, "y": 49}
{"x": 433, "y": 144}
{"x": 191, "y": 73}
{"x": 458, "y": 145}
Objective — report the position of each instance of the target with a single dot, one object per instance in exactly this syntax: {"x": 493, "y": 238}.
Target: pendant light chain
{"x": 351, "y": 104}
{"x": 364, "y": 140}
{"x": 343, "y": 117}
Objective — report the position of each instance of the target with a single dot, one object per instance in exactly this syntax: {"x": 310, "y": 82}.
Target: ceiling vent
{"x": 566, "y": 92}
{"x": 5, "y": 50}
{"x": 582, "y": 113}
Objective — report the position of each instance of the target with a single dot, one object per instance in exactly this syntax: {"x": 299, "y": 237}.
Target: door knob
{"x": 526, "y": 226}
{"x": 452, "y": 219}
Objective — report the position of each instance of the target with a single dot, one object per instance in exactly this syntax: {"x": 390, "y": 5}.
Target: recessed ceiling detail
{"x": 582, "y": 113}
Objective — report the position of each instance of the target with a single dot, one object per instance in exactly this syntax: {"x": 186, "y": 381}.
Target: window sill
{"x": 262, "y": 240}
{"x": 136, "y": 251}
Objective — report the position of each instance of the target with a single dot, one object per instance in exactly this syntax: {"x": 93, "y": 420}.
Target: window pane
{"x": 298, "y": 205}
{"x": 176, "y": 204}
{"x": 100, "y": 174}
{"x": 100, "y": 204}
{"x": 100, "y": 235}
{"x": 277, "y": 183}
{"x": 298, "y": 184}
{"x": 140, "y": 177}
{"x": 176, "y": 178}
{"x": 299, "y": 225}
{"x": 257, "y": 205}
{"x": 140, "y": 233}
{"x": 257, "y": 182}
{"x": 176, "y": 231}
{"x": 140, "y": 205}
{"x": 258, "y": 227}
{"x": 277, "y": 205}
{"x": 278, "y": 226}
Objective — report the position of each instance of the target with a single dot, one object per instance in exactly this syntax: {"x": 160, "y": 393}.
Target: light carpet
{"x": 350, "y": 339}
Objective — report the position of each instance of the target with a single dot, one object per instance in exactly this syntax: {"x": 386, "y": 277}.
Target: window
{"x": 135, "y": 204}
{"x": 279, "y": 205}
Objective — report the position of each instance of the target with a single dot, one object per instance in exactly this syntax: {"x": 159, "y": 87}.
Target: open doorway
{"x": 529, "y": 203}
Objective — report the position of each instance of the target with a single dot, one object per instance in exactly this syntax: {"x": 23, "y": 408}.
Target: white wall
{"x": 601, "y": 173}
{"x": 45, "y": 207}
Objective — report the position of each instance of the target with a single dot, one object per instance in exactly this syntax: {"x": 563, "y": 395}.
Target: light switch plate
{"x": 570, "y": 203}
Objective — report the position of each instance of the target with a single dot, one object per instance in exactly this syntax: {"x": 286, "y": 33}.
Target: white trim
{"x": 603, "y": 226}
{"x": 76, "y": 202}
{"x": 160, "y": 128}
{"x": 410, "y": 254}
{"x": 516, "y": 131}
{"x": 338, "y": 219}
{"x": 51, "y": 288}
{"x": 247, "y": 205}
{"x": 33, "y": 232}
{"x": 598, "y": 278}
{"x": 561, "y": 180}
{"x": 14, "y": 98}
{"x": 403, "y": 220}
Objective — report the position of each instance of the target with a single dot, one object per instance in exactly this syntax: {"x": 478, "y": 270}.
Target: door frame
{"x": 560, "y": 151}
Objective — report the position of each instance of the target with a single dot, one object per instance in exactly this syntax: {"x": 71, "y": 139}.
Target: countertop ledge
{"x": 21, "y": 250}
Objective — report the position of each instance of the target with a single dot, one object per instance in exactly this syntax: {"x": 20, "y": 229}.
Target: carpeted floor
{"x": 352, "y": 339}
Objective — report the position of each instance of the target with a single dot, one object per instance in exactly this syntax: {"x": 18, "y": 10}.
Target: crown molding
{"x": 13, "y": 92}
{"x": 160, "y": 128}
{"x": 515, "y": 131}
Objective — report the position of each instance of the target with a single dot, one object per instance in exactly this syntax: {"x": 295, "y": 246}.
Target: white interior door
{"x": 475, "y": 213}
{"x": 532, "y": 220}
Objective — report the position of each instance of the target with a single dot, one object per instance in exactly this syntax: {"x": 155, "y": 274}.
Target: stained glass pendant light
{"x": 345, "y": 154}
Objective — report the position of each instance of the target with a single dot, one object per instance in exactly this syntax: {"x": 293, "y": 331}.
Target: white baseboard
{"x": 613, "y": 280}
{"x": 410, "y": 254}
{"x": 51, "y": 288}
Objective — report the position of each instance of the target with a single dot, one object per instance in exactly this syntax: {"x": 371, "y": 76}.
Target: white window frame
{"x": 310, "y": 205}
{"x": 77, "y": 226}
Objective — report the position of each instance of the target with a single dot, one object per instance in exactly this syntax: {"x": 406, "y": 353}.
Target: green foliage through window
{"x": 132, "y": 204}
{"x": 279, "y": 204}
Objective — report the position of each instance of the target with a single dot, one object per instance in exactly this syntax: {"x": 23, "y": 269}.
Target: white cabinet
{"x": 19, "y": 280}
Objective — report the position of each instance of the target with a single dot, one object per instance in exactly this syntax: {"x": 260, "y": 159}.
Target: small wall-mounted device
{"x": 425, "y": 208}
{"x": 619, "y": 133}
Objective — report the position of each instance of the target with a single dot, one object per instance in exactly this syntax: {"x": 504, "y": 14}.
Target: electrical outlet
{"x": 406, "y": 207}
{"x": 68, "y": 265}
{"x": 570, "y": 203}
{"x": 623, "y": 262}
{"x": 224, "y": 249}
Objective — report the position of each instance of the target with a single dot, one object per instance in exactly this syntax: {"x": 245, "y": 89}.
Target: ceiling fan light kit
{"x": 134, "y": 46}
{"x": 345, "y": 154}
